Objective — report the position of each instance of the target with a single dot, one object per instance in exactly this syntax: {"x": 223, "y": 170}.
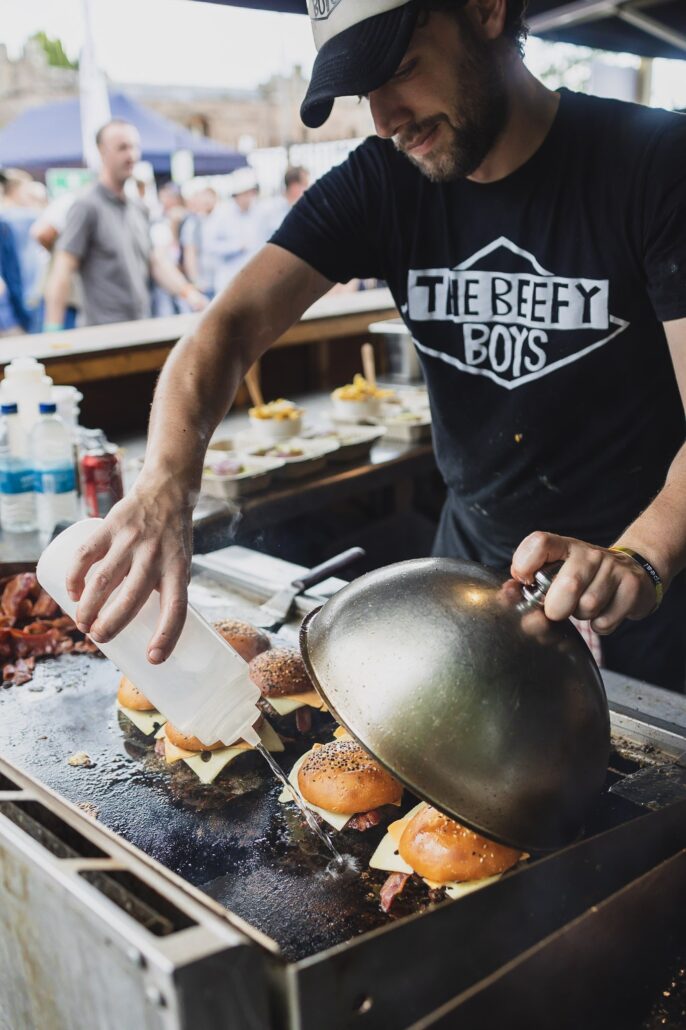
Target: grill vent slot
{"x": 7, "y": 784}
{"x": 159, "y": 916}
{"x": 56, "y": 835}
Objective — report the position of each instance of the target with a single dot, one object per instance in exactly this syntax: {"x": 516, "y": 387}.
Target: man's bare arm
{"x": 174, "y": 281}
{"x": 189, "y": 262}
{"x": 147, "y": 536}
{"x": 44, "y": 233}
{"x": 604, "y": 586}
{"x": 58, "y": 285}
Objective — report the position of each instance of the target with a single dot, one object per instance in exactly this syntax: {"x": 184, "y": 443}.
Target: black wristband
{"x": 648, "y": 568}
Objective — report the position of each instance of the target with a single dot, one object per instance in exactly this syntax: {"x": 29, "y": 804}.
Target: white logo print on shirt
{"x": 514, "y": 324}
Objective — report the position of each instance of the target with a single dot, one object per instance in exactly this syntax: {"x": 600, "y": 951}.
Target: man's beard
{"x": 468, "y": 136}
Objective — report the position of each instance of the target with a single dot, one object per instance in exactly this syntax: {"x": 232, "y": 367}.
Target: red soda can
{"x": 101, "y": 482}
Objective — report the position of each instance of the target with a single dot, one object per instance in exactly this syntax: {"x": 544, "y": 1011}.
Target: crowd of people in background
{"x": 120, "y": 250}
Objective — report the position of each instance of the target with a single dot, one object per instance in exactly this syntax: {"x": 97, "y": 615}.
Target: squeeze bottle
{"x": 203, "y": 688}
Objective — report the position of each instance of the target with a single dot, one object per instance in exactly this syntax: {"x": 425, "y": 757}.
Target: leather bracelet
{"x": 648, "y": 568}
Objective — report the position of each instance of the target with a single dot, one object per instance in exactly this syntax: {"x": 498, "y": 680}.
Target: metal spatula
{"x": 277, "y": 609}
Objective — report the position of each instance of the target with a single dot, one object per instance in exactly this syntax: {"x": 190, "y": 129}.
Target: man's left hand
{"x": 594, "y": 583}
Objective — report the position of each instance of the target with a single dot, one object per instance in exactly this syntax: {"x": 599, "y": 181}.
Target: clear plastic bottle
{"x": 52, "y": 457}
{"x": 17, "y": 496}
{"x": 203, "y": 687}
{"x": 26, "y": 384}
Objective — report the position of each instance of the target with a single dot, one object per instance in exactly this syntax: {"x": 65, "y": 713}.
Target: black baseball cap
{"x": 360, "y": 44}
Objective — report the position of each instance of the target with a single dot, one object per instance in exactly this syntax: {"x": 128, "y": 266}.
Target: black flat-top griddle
{"x": 232, "y": 839}
{"x": 234, "y": 842}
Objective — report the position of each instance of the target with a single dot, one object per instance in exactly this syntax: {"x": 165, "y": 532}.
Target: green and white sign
{"x": 67, "y": 180}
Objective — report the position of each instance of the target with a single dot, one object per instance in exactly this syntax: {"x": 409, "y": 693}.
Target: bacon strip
{"x": 44, "y": 606}
{"x": 32, "y": 626}
{"x": 394, "y": 885}
{"x": 303, "y": 719}
{"x": 20, "y": 672}
{"x": 364, "y": 820}
{"x": 16, "y": 597}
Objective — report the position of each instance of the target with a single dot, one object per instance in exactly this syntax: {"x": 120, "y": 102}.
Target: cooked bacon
{"x": 394, "y": 885}
{"x": 35, "y": 643}
{"x": 18, "y": 595}
{"x": 364, "y": 820}
{"x": 64, "y": 622}
{"x": 20, "y": 672}
{"x": 86, "y": 646}
{"x": 303, "y": 719}
{"x": 45, "y": 607}
{"x": 32, "y": 626}
{"x": 6, "y": 643}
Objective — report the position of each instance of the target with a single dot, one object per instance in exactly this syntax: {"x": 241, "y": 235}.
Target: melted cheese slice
{"x": 388, "y": 859}
{"x": 207, "y": 770}
{"x": 334, "y": 819}
{"x": 146, "y": 722}
{"x": 288, "y": 704}
{"x": 340, "y": 733}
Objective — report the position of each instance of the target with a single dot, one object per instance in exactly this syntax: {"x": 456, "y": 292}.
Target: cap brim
{"x": 358, "y": 60}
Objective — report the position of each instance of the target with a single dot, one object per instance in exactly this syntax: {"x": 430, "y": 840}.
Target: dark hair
{"x": 103, "y": 128}
{"x": 294, "y": 175}
{"x": 515, "y": 29}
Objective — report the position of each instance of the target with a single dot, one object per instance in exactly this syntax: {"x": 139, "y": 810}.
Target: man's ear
{"x": 488, "y": 17}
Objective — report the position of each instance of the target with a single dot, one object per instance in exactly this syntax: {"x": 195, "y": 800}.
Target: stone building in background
{"x": 244, "y": 119}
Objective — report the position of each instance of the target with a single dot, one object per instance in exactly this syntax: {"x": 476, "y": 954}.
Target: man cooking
{"x": 534, "y": 244}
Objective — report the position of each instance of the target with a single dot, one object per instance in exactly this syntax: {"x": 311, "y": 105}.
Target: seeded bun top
{"x": 130, "y": 697}
{"x": 244, "y": 638}
{"x": 341, "y": 777}
{"x": 443, "y": 850}
{"x": 279, "y": 672}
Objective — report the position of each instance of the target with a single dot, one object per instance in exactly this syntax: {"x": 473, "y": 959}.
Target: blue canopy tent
{"x": 49, "y": 136}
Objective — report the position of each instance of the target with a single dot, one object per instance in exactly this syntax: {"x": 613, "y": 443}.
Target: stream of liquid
{"x": 310, "y": 818}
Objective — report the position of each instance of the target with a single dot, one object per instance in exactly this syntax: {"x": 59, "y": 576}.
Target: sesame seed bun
{"x": 247, "y": 640}
{"x": 130, "y": 697}
{"x": 341, "y": 777}
{"x": 443, "y": 850}
{"x": 279, "y": 672}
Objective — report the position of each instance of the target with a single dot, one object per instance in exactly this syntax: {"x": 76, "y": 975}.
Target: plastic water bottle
{"x": 203, "y": 687}
{"x": 52, "y": 457}
{"x": 26, "y": 385}
{"x": 17, "y": 497}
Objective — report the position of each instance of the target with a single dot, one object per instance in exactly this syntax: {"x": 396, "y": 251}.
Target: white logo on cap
{"x": 320, "y": 9}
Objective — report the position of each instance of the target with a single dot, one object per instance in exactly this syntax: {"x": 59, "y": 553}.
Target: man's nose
{"x": 388, "y": 111}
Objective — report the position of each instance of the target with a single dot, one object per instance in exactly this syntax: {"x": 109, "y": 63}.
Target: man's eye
{"x": 405, "y": 69}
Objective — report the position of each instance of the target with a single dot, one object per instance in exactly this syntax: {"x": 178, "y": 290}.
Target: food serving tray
{"x": 354, "y": 441}
{"x": 313, "y": 457}
{"x": 410, "y": 427}
{"x": 257, "y": 474}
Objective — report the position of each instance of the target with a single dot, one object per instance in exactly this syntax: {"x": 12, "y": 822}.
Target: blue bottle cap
{"x": 8, "y": 409}
{"x": 47, "y": 409}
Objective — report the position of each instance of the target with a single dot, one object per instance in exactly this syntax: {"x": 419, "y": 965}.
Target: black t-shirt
{"x": 536, "y": 305}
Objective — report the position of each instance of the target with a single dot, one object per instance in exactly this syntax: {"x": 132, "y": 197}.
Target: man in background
{"x": 107, "y": 240}
{"x": 295, "y": 181}
{"x": 19, "y": 211}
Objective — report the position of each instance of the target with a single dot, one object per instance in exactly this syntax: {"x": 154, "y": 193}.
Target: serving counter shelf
{"x": 157, "y": 902}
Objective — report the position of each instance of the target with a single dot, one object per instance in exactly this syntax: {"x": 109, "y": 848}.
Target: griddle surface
{"x": 233, "y": 840}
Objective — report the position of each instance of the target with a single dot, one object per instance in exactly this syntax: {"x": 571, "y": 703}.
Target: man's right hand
{"x": 147, "y": 540}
